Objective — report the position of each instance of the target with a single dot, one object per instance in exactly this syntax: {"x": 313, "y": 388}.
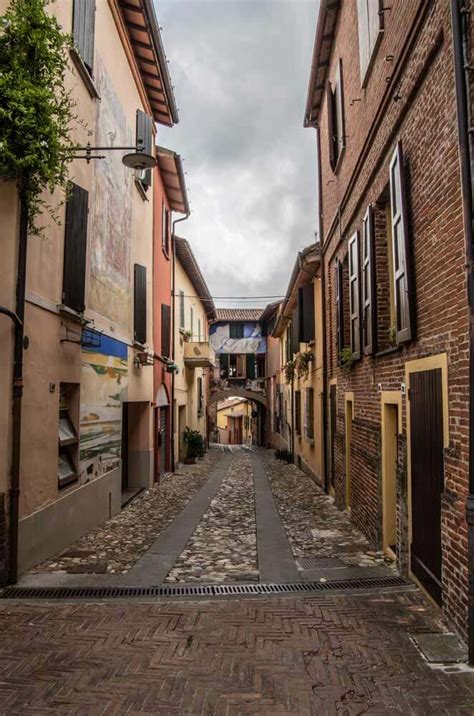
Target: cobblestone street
{"x": 217, "y": 522}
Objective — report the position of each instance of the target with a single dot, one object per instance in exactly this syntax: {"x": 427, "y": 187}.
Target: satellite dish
{"x": 139, "y": 160}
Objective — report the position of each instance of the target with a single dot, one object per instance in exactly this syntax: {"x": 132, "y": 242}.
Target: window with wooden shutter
{"x": 199, "y": 395}
{"x": 309, "y": 414}
{"x": 139, "y": 303}
{"x": 75, "y": 247}
{"x": 336, "y": 121}
{"x": 164, "y": 228}
{"x": 354, "y": 294}
{"x": 295, "y": 338}
{"x": 401, "y": 249}
{"x": 83, "y": 30}
{"x": 369, "y": 309}
{"x": 144, "y": 138}
{"x": 181, "y": 310}
{"x": 165, "y": 330}
{"x": 236, "y": 330}
{"x": 339, "y": 306}
{"x": 370, "y": 22}
{"x": 298, "y": 412}
{"x": 250, "y": 365}
{"x": 306, "y": 312}
{"x": 224, "y": 365}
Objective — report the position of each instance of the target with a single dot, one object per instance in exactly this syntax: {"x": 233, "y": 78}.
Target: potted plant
{"x": 290, "y": 368}
{"x": 195, "y": 446}
{"x": 346, "y": 359}
{"x": 302, "y": 363}
{"x": 187, "y": 335}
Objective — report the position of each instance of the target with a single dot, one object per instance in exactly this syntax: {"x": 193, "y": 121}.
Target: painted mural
{"x": 109, "y": 288}
{"x": 252, "y": 342}
{"x": 104, "y": 380}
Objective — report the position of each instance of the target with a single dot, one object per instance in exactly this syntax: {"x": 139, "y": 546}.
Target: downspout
{"x": 462, "y": 69}
{"x": 173, "y": 337}
{"x": 17, "y": 390}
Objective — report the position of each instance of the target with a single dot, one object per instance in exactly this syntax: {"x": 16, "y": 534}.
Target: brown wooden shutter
{"x": 83, "y": 30}
{"x": 298, "y": 412}
{"x": 144, "y": 137}
{"x": 139, "y": 304}
{"x": 250, "y": 365}
{"x": 340, "y": 122}
{"x": 295, "y": 338}
{"x": 75, "y": 247}
{"x": 369, "y": 310}
{"x": 339, "y": 306}
{"x": 404, "y": 304}
{"x": 306, "y": 312}
{"x": 354, "y": 294}
{"x": 165, "y": 330}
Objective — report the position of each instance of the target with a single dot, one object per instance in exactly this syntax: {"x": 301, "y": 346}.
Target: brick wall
{"x": 420, "y": 110}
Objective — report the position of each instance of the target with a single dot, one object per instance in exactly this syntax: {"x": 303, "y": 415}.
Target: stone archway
{"x": 217, "y": 395}
{"x": 258, "y": 399}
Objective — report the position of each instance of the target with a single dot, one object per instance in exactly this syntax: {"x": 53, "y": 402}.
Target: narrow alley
{"x": 248, "y": 519}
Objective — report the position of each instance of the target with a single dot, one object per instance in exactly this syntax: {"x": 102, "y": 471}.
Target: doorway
{"x": 349, "y": 417}
{"x": 427, "y": 477}
{"x": 181, "y": 429}
{"x": 124, "y": 447}
{"x": 333, "y": 427}
{"x": 390, "y": 417}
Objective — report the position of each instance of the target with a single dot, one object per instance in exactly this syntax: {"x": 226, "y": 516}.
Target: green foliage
{"x": 284, "y": 455}
{"x": 195, "y": 442}
{"x": 346, "y": 359}
{"x": 36, "y": 109}
{"x": 302, "y": 363}
{"x": 290, "y": 369}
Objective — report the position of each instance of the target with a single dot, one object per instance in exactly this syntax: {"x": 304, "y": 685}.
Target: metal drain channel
{"x": 208, "y": 590}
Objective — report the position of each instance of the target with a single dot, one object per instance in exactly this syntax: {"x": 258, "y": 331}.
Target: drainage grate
{"x": 207, "y": 590}
{"x": 320, "y": 563}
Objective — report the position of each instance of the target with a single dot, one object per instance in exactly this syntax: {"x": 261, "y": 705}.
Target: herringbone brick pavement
{"x": 334, "y": 655}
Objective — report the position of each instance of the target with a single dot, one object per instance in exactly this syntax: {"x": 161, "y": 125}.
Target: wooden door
{"x": 427, "y": 477}
{"x": 333, "y": 423}
{"x": 163, "y": 439}
{"x": 124, "y": 449}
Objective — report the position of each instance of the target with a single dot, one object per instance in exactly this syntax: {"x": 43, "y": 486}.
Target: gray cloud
{"x": 241, "y": 70}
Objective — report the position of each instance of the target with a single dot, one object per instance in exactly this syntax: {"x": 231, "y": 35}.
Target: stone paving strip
{"x": 223, "y": 548}
{"x": 314, "y": 525}
{"x": 115, "y": 546}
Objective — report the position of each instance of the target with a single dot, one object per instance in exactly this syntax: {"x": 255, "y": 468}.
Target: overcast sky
{"x": 240, "y": 70}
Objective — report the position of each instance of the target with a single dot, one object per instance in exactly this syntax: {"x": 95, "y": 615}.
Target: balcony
{"x": 199, "y": 354}
{"x": 256, "y": 385}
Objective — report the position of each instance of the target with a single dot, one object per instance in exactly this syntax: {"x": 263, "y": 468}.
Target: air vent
{"x": 207, "y": 590}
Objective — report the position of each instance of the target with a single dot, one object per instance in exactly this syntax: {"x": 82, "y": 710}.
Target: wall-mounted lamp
{"x": 136, "y": 157}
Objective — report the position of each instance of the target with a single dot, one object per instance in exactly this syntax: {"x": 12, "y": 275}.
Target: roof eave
{"x": 149, "y": 12}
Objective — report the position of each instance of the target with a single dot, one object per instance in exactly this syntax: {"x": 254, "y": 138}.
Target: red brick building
{"x": 382, "y": 97}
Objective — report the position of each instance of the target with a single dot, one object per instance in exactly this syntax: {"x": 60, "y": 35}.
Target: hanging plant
{"x": 302, "y": 363}
{"x": 346, "y": 359}
{"x": 36, "y": 109}
{"x": 290, "y": 369}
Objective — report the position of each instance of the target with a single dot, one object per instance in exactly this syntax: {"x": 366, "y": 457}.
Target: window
{"x": 354, "y": 294}
{"x": 250, "y": 366}
{"x": 75, "y": 248}
{"x": 83, "y": 28}
{"x": 199, "y": 396}
{"x": 165, "y": 330}
{"x": 191, "y": 325}
{"x": 144, "y": 138}
{"x": 401, "y": 248}
{"x": 199, "y": 330}
{"x": 181, "y": 310}
{"x": 339, "y": 306}
{"x": 261, "y": 366}
{"x": 383, "y": 275}
{"x": 309, "y": 414}
{"x": 67, "y": 436}
{"x": 370, "y": 21}
{"x": 236, "y": 330}
{"x": 288, "y": 343}
{"x": 139, "y": 304}
{"x": 165, "y": 229}
{"x": 298, "y": 412}
{"x": 336, "y": 129}
{"x": 295, "y": 338}
{"x": 306, "y": 312}
{"x": 369, "y": 308}
{"x": 224, "y": 365}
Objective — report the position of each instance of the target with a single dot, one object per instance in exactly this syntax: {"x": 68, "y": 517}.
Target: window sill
{"x": 140, "y": 346}
{"x": 141, "y": 190}
{"x": 73, "y": 315}
{"x": 84, "y": 73}
{"x": 388, "y": 351}
{"x": 67, "y": 481}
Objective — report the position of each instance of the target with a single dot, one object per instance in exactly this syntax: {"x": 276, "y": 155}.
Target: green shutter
{"x": 250, "y": 366}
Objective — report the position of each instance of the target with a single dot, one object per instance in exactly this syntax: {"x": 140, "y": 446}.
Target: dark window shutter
{"x": 306, "y": 312}
{"x": 224, "y": 364}
{"x": 340, "y": 122}
{"x": 144, "y": 137}
{"x": 165, "y": 330}
{"x": 295, "y": 338}
{"x": 354, "y": 294}
{"x": 331, "y": 125}
{"x": 369, "y": 308}
{"x": 250, "y": 360}
{"x": 236, "y": 330}
{"x": 199, "y": 393}
{"x": 84, "y": 30}
{"x": 139, "y": 303}
{"x": 339, "y": 306}
{"x": 75, "y": 247}
{"x": 309, "y": 413}
{"x": 298, "y": 412}
{"x": 404, "y": 303}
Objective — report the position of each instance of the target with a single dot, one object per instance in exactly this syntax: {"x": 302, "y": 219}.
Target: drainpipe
{"x": 17, "y": 389}
{"x": 462, "y": 69}
{"x": 173, "y": 337}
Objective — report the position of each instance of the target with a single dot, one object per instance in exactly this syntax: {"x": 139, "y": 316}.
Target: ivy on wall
{"x": 36, "y": 109}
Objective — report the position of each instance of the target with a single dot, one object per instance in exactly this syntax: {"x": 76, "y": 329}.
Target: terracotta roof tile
{"x": 238, "y": 314}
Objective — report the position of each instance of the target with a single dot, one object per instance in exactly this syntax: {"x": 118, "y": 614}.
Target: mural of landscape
{"x": 104, "y": 380}
{"x": 252, "y": 342}
{"x": 109, "y": 292}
